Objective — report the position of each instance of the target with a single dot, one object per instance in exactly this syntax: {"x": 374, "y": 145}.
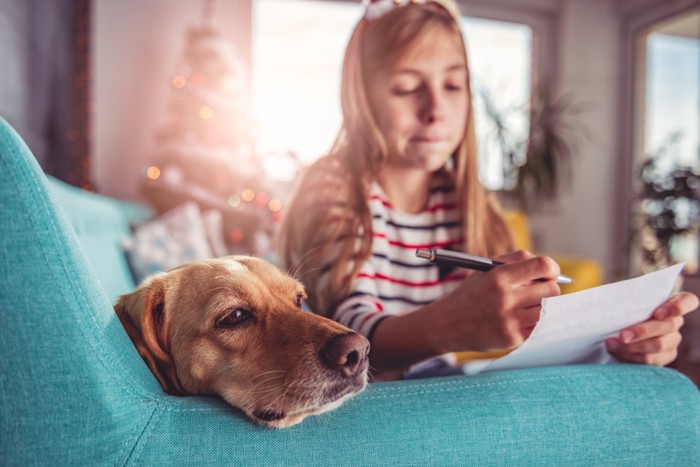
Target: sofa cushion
{"x": 100, "y": 223}
{"x": 176, "y": 237}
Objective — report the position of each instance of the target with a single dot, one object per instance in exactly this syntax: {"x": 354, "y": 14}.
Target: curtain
{"x": 46, "y": 45}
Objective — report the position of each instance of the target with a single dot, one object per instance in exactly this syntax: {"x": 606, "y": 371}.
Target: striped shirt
{"x": 393, "y": 281}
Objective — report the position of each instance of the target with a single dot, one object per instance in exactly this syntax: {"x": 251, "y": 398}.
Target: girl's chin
{"x": 431, "y": 163}
{"x": 425, "y": 159}
{"x": 428, "y": 166}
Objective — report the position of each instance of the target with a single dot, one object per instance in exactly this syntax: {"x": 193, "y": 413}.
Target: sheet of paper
{"x": 572, "y": 328}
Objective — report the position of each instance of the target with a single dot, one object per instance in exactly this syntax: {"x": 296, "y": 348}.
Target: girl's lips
{"x": 426, "y": 139}
{"x": 427, "y": 136}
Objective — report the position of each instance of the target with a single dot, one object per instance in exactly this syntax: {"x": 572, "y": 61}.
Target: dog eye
{"x": 234, "y": 318}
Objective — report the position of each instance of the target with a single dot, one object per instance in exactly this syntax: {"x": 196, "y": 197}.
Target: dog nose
{"x": 347, "y": 353}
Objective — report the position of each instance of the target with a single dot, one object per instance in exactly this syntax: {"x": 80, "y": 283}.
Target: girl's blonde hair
{"x": 327, "y": 231}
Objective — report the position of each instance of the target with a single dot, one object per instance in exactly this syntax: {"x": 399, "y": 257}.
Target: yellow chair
{"x": 585, "y": 272}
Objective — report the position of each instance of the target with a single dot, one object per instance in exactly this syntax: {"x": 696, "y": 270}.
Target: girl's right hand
{"x": 497, "y": 309}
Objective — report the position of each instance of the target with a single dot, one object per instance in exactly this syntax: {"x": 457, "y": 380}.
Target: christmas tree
{"x": 205, "y": 151}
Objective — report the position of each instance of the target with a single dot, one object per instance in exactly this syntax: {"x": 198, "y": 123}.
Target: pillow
{"x": 214, "y": 230}
{"x": 174, "y": 238}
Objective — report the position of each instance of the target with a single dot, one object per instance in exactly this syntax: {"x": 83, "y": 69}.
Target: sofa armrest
{"x": 575, "y": 415}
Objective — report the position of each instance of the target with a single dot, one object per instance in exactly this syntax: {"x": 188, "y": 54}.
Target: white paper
{"x": 572, "y": 328}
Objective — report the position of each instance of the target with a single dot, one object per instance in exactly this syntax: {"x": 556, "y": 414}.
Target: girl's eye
{"x": 405, "y": 87}
{"x": 234, "y": 318}
{"x": 404, "y": 91}
{"x": 453, "y": 87}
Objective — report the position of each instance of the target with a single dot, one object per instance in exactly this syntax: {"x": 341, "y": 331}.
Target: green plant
{"x": 667, "y": 210}
{"x": 550, "y": 150}
{"x": 534, "y": 168}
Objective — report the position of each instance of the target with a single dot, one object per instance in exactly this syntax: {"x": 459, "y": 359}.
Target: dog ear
{"x": 141, "y": 314}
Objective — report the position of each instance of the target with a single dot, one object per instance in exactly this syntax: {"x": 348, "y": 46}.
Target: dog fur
{"x": 234, "y": 327}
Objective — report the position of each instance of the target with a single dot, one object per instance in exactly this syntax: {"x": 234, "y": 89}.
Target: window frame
{"x": 637, "y": 19}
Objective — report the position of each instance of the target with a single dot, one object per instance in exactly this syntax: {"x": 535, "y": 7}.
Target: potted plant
{"x": 534, "y": 167}
{"x": 667, "y": 214}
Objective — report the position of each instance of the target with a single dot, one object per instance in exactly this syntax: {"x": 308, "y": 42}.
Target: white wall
{"x": 581, "y": 221}
{"x": 136, "y": 49}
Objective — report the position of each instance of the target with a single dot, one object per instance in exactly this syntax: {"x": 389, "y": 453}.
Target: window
{"x": 500, "y": 61}
{"x": 672, "y": 112}
{"x": 298, "y": 48}
{"x": 668, "y": 208}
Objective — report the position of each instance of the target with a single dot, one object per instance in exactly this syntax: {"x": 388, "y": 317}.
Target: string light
{"x": 234, "y": 201}
{"x": 235, "y": 236}
{"x": 262, "y": 198}
{"x": 179, "y": 81}
{"x": 275, "y": 205}
{"x": 153, "y": 172}
{"x": 248, "y": 195}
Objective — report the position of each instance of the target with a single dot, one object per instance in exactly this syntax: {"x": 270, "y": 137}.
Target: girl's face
{"x": 420, "y": 103}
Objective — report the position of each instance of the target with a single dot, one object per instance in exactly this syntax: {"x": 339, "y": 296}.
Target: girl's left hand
{"x": 655, "y": 341}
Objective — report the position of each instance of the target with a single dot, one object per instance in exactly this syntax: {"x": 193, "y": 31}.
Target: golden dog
{"x": 234, "y": 327}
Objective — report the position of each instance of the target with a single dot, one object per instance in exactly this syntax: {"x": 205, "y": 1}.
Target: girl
{"x": 402, "y": 175}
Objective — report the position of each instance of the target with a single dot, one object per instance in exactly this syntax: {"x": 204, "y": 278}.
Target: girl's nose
{"x": 432, "y": 107}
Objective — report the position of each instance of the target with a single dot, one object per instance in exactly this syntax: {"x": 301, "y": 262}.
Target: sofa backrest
{"x": 100, "y": 223}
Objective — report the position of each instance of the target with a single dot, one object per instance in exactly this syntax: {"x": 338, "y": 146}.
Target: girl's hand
{"x": 655, "y": 341}
{"x": 498, "y": 309}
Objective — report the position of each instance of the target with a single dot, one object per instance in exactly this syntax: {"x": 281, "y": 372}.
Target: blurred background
{"x": 588, "y": 111}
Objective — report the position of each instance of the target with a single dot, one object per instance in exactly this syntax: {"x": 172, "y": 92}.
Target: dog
{"x": 235, "y": 327}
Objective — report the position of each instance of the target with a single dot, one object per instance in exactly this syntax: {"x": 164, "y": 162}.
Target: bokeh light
{"x": 262, "y": 198}
{"x": 275, "y": 205}
{"x": 179, "y": 81}
{"x": 153, "y": 172}
{"x": 248, "y": 195}
{"x": 236, "y": 236}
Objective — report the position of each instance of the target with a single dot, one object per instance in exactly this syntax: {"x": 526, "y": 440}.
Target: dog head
{"x": 234, "y": 327}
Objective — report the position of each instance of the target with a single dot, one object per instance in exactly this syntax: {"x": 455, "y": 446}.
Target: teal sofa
{"x": 74, "y": 391}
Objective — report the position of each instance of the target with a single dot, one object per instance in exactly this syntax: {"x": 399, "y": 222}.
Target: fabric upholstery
{"x": 176, "y": 237}
{"x": 100, "y": 223}
{"x": 73, "y": 391}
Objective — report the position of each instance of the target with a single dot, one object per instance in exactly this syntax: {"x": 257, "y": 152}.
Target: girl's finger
{"x": 659, "y": 344}
{"x": 680, "y": 304}
{"x": 532, "y": 293}
{"x": 650, "y": 328}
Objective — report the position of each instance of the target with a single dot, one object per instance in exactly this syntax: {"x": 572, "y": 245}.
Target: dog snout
{"x": 346, "y": 353}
